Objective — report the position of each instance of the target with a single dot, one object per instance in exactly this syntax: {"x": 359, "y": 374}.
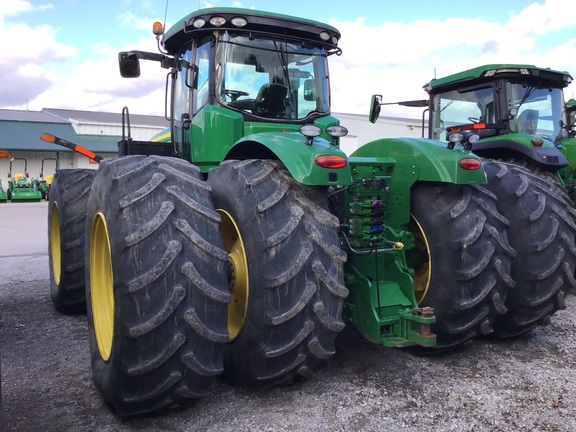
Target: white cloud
{"x": 396, "y": 59}
{"x": 97, "y": 85}
{"x": 393, "y": 59}
{"x": 15, "y": 7}
{"x": 27, "y": 70}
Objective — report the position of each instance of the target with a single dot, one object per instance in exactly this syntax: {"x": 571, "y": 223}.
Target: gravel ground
{"x": 522, "y": 384}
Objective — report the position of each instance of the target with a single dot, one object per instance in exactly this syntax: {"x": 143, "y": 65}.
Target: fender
{"x": 401, "y": 162}
{"x": 520, "y": 145}
{"x": 422, "y": 159}
{"x": 297, "y": 156}
{"x": 215, "y": 126}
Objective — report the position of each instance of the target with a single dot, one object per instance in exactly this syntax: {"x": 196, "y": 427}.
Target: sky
{"x": 63, "y": 53}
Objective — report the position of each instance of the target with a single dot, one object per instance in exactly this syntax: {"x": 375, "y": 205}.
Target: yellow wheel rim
{"x": 423, "y": 273}
{"x": 238, "y": 282}
{"x": 55, "y": 251}
{"x": 102, "y": 286}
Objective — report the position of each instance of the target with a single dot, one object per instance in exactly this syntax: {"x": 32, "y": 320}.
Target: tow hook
{"x": 425, "y": 312}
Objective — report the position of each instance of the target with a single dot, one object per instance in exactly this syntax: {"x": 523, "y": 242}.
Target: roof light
{"x": 325, "y": 36}
{"x": 217, "y": 21}
{"x": 336, "y": 131}
{"x": 331, "y": 161}
{"x": 158, "y": 28}
{"x": 470, "y": 164}
{"x": 239, "y": 21}
{"x": 199, "y": 23}
{"x": 334, "y": 40}
{"x": 522, "y": 71}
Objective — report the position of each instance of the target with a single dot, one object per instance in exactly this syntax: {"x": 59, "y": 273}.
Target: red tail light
{"x": 470, "y": 164}
{"x": 537, "y": 142}
{"x": 331, "y": 161}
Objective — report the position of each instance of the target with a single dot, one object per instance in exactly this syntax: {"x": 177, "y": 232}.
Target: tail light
{"x": 331, "y": 161}
{"x": 470, "y": 164}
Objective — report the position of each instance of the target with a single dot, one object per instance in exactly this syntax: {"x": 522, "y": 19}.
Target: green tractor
{"x": 43, "y": 183}
{"x": 19, "y": 187}
{"x": 246, "y": 240}
{"x": 3, "y": 194}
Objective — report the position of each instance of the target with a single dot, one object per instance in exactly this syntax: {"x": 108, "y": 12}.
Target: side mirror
{"x": 129, "y": 64}
{"x": 375, "y": 108}
{"x": 309, "y": 93}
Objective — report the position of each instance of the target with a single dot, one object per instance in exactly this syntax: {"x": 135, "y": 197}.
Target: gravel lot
{"x": 522, "y": 384}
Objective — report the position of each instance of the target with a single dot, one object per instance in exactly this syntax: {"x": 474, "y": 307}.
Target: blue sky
{"x": 62, "y": 53}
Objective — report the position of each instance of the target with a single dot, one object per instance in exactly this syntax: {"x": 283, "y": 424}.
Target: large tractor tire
{"x": 66, "y": 232}
{"x": 462, "y": 259}
{"x": 542, "y": 230}
{"x": 286, "y": 273}
{"x": 157, "y": 291}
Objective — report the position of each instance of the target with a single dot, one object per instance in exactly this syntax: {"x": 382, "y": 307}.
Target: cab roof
{"x": 257, "y": 22}
{"x": 497, "y": 70}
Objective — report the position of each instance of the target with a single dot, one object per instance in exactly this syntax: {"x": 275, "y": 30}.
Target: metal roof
{"x": 96, "y": 117}
{"x": 29, "y": 116}
{"x": 25, "y": 135}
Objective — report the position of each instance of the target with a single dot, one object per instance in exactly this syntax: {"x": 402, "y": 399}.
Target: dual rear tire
{"x": 495, "y": 259}
{"x": 187, "y": 279}
{"x": 70, "y": 190}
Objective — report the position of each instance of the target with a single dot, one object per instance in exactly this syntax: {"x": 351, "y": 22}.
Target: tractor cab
{"x": 512, "y": 108}
{"x": 238, "y": 73}
{"x": 260, "y": 78}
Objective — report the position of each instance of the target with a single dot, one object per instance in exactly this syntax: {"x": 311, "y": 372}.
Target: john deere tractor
{"x": 19, "y": 187}
{"x": 246, "y": 241}
{"x": 3, "y": 194}
{"x": 514, "y": 117}
{"x": 43, "y": 183}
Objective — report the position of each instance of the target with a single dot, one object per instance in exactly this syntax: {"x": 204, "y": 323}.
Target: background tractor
{"x": 3, "y": 194}
{"x": 245, "y": 241}
{"x": 43, "y": 183}
{"x": 19, "y": 187}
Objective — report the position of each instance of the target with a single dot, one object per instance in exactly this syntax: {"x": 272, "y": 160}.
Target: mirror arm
{"x": 165, "y": 61}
